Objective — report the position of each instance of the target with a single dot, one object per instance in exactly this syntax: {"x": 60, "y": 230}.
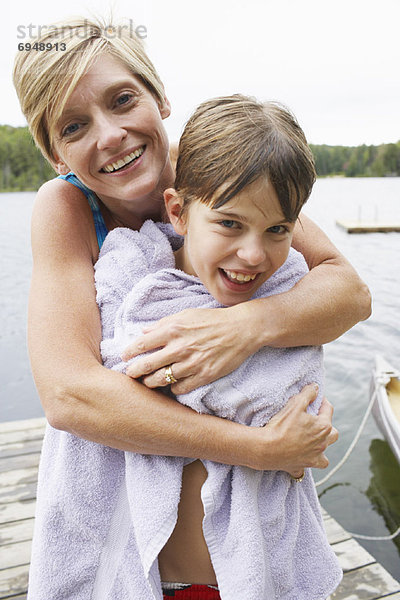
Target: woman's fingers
{"x": 200, "y": 343}
{"x": 152, "y": 365}
{"x": 144, "y": 343}
{"x": 302, "y": 436}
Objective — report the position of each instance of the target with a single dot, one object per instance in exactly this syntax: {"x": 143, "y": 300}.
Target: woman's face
{"x": 111, "y": 135}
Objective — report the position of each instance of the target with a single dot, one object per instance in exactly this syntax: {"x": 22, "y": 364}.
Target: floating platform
{"x": 368, "y": 227}
{"x": 20, "y": 444}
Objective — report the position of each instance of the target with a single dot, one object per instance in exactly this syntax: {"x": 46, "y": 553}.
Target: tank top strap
{"x": 100, "y": 226}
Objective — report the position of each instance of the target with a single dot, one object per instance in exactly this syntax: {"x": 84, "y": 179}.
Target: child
{"x": 244, "y": 172}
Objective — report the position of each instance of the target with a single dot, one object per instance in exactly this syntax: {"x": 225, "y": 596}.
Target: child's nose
{"x": 253, "y": 253}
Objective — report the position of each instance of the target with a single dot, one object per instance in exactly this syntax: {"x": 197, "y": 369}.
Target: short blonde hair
{"x": 45, "y": 80}
{"x": 231, "y": 141}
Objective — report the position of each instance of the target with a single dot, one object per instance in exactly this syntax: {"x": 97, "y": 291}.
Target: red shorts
{"x": 193, "y": 592}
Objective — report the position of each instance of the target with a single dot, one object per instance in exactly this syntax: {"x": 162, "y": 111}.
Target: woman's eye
{"x": 229, "y": 224}
{"x": 123, "y": 99}
{"x": 70, "y": 129}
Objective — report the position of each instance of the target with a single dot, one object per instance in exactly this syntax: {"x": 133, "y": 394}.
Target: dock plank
{"x": 13, "y": 581}
{"x": 16, "y": 555}
{"x": 368, "y": 227}
{"x": 20, "y": 442}
{"x": 21, "y": 448}
{"x": 15, "y": 511}
{"x": 368, "y": 583}
{"x": 16, "y": 531}
{"x": 351, "y": 555}
{"x": 23, "y": 491}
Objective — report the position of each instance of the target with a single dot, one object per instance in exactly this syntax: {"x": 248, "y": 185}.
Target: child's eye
{"x": 229, "y": 224}
{"x": 277, "y": 229}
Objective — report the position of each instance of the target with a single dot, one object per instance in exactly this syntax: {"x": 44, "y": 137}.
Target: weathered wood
{"x": 16, "y": 531}
{"x": 20, "y": 442}
{"x": 12, "y": 437}
{"x": 357, "y": 227}
{"x": 15, "y": 555}
{"x": 22, "y": 425}
{"x": 368, "y": 583}
{"x": 15, "y": 511}
{"x": 20, "y": 448}
{"x": 14, "y": 581}
{"x": 18, "y": 477}
{"x": 334, "y": 531}
{"x": 19, "y": 462}
{"x": 24, "y": 491}
{"x": 351, "y": 555}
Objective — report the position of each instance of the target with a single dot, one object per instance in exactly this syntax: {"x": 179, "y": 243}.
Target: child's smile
{"x": 235, "y": 248}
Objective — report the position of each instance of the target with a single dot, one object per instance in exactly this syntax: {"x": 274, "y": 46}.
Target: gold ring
{"x": 169, "y": 376}
{"x": 298, "y": 479}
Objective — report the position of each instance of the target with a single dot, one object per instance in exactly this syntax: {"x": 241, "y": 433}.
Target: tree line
{"x": 23, "y": 168}
{"x": 358, "y": 161}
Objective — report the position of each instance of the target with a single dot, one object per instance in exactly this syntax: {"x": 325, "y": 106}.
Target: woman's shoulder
{"x": 59, "y": 190}
{"x": 61, "y": 211}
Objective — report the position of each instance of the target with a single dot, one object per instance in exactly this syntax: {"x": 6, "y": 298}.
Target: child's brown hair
{"x": 231, "y": 141}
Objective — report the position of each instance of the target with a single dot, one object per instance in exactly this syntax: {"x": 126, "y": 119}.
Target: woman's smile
{"x": 122, "y": 164}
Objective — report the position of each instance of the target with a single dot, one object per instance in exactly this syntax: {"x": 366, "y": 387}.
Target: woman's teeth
{"x": 123, "y": 161}
{"x": 239, "y": 277}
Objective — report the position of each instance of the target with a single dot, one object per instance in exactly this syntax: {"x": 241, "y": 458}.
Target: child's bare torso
{"x": 185, "y": 557}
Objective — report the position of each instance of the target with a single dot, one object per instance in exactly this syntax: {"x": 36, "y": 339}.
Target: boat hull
{"x": 385, "y": 384}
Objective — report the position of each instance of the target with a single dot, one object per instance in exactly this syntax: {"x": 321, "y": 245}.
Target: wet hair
{"x": 45, "y": 80}
{"x": 230, "y": 142}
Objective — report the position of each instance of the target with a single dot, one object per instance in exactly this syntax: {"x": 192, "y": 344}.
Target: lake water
{"x": 364, "y": 496}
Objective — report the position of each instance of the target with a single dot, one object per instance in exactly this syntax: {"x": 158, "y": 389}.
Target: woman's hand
{"x": 299, "y": 437}
{"x": 201, "y": 345}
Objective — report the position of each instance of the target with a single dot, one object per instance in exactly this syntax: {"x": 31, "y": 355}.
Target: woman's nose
{"x": 109, "y": 133}
{"x": 252, "y": 252}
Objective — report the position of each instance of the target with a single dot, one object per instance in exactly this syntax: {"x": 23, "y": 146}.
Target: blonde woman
{"x": 96, "y": 109}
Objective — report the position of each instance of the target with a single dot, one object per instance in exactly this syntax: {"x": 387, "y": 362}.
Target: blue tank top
{"x": 100, "y": 226}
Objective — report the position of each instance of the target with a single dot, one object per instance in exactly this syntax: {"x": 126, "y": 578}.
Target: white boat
{"x": 385, "y": 384}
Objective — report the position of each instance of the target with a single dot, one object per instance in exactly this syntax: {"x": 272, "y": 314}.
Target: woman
{"x": 89, "y": 130}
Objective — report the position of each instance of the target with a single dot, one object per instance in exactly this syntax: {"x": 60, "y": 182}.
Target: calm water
{"x": 365, "y": 494}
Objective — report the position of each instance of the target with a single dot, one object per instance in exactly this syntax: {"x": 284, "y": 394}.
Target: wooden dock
{"x": 368, "y": 227}
{"x": 20, "y": 444}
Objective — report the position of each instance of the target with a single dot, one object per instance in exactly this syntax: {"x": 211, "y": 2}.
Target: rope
{"x": 352, "y": 445}
{"x": 374, "y": 538}
{"x": 345, "y": 458}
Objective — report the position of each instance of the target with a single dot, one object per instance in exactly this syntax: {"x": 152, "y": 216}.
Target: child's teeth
{"x": 240, "y": 277}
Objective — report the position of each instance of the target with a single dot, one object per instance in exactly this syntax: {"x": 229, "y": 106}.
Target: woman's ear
{"x": 173, "y": 205}
{"x": 165, "y": 108}
{"x": 59, "y": 166}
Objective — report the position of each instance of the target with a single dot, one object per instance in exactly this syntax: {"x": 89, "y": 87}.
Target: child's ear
{"x": 173, "y": 205}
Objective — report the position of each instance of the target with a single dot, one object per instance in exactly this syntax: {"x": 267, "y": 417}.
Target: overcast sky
{"x": 335, "y": 63}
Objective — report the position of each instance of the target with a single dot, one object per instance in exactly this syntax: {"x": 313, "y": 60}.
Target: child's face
{"x": 237, "y": 247}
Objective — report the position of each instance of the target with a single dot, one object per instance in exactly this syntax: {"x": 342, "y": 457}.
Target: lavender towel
{"x": 264, "y": 532}
{"x": 99, "y": 523}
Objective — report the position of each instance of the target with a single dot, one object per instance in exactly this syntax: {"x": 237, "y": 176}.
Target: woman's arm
{"x": 205, "y": 345}
{"x": 80, "y": 396}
